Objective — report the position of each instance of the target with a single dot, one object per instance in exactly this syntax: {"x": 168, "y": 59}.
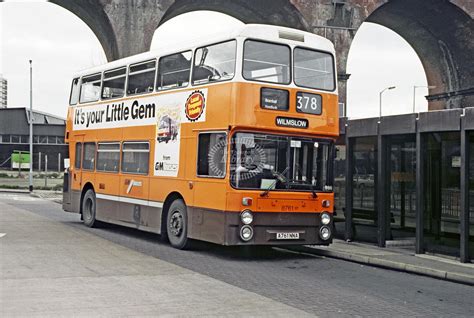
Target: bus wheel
{"x": 177, "y": 225}
{"x": 88, "y": 208}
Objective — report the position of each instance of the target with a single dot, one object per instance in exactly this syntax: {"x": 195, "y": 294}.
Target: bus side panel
{"x": 207, "y": 220}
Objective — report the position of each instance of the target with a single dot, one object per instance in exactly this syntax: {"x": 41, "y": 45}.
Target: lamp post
{"x": 380, "y": 98}
{"x": 31, "y": 126}
{"x": 414, "y": 93}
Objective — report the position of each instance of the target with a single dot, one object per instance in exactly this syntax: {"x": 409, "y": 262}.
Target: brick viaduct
{"x": 440, "y": 31}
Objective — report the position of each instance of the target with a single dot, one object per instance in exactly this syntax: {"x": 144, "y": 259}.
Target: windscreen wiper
{"x": 278, "y": 176}
{"x": 313, "y": 191}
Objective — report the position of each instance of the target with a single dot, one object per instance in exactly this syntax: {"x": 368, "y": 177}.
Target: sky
{"x": 60, "y": 44}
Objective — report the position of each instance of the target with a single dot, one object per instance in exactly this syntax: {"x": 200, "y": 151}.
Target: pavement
{"x": 50, "y": 269}
{"x": 53, "y": 265}
{"x": 397, "y": 259}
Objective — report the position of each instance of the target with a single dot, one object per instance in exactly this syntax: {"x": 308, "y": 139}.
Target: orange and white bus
{"x": 228, "y": 140}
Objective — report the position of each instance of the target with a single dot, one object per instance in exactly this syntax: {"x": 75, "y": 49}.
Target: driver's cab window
{"x": 212, "y": 154}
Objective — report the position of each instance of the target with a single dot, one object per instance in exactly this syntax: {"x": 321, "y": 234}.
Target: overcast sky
{"x": 60, "y": 44}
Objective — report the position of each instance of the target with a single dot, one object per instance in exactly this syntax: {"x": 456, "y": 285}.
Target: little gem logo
{"x": 195, "y": 105}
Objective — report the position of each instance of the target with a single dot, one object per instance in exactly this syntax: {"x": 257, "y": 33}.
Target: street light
{"x": 380, "y": 98}
{"x": 31, "y": 127}
{"x": 414, "y": 93}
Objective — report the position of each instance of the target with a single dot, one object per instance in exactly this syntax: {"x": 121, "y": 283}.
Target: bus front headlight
{"x": 325, "y": 233}
{"x": 246, "y": 217}
{"x": 246, "y": 233}
{"x": 325, "y": 218}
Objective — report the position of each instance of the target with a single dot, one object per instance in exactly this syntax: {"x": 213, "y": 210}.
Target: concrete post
{"x": 46, "y": 170}
{"x": 420, "y": 192}
{"x": 349, "y": 191}
{"x": 464, "y": 208}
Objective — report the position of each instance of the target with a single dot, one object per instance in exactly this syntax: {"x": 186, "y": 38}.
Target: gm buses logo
{"x": 195, "y": 105}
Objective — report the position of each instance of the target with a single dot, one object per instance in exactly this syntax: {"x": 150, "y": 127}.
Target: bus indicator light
{"x": 247, "y": 201}
{"x": 195, "y": 105}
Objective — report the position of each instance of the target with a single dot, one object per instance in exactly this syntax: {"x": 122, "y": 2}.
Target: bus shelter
{"x": 408, "y": 178}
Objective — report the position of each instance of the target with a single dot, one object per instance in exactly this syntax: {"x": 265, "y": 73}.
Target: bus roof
{"x": 254, "y": 31}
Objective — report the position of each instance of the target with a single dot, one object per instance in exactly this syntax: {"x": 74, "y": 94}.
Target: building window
{"x": 114, "y": 83}
{"x": 77, "y": 159}
{"x": 24, "y": 139}
{"x": 51, "y": 139}
{"x": 89, "y": 156}
{"x": 173, "y": 71}
{"x": 135, "y": 157}
{"x": 43, "y": 139}
{"x": 6, "y": 139}
{"x": 141, "y": 78}
{"x": 15, "y": 139}
{"x": 212, "y": 154}
{"x": 108, "y": 157}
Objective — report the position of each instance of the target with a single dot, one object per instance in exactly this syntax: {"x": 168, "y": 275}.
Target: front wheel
{"x": 177, "y": 225}
{"x": 88, "y": 209}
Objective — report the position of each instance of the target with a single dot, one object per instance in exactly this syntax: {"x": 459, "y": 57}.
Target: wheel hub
{"x": 176, "y": 224}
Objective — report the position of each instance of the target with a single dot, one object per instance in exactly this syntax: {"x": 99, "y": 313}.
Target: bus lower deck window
{"x": 108, "y": 157}
{"x": 77, "y": 160}
{"x": 135, "y": 157}
{"x": 212, "y": 154}
{"x": 88, "y": 159}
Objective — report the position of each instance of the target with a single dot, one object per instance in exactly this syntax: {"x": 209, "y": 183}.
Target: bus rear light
{"x": 326, "y": 203}
{"x": 247, "y": 201}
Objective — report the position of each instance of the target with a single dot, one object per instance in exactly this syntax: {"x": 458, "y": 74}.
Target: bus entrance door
{"x": 76, "y": 174}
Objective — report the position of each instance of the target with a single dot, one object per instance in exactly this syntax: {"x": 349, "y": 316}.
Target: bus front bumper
{"x": 278, "y": 228}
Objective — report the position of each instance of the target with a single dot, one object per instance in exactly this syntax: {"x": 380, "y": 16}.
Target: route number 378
{"x": 308, "y": 103}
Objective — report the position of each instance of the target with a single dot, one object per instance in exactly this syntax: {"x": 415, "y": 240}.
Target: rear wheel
{"x": 177, "y": 225}
{"x": 88, "y": 208}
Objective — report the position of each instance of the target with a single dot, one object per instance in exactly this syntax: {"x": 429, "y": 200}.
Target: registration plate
{"x": 288, "y": 236}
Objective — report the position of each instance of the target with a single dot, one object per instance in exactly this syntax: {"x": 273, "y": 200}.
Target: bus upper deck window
{"x": 90, "y": 88}
{"x": 114, "y": 83}
{"x": 314, "y": 69}
{"x": 174, "y": 71}
{"x": 141, "y": 78}
{"x": 266, "y": 62}
{"x": 214, "y": 63}
{"x": 74, "y": 98}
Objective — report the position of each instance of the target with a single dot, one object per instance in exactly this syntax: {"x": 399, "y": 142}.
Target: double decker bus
{"x": 228, "y": 140}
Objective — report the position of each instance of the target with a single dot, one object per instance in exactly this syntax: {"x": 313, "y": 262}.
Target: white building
{"x": 3, "y": 91}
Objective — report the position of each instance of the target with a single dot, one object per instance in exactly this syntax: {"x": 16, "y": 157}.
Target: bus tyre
{"x": 88, "y": 208}
{"x": 177, "y": 225}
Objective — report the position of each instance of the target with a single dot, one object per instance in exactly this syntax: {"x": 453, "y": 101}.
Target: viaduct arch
{"x": 440, "y": 31}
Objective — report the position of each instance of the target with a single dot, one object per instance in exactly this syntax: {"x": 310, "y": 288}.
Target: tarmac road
{"x": 308, "y": 284}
